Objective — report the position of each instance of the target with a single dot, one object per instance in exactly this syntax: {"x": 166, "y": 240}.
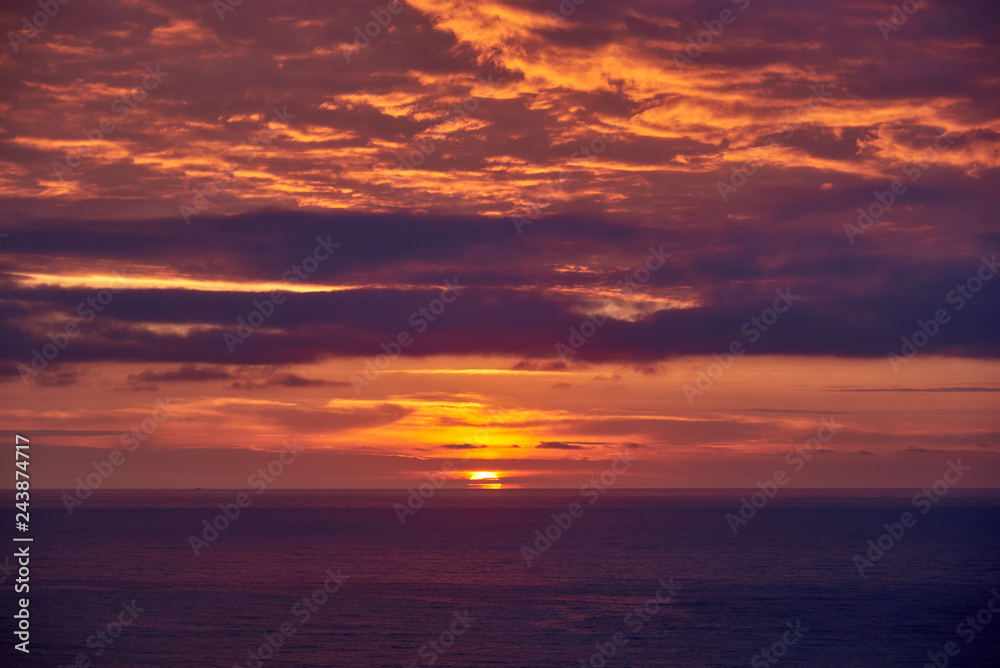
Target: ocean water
{"x": 456, "y": 565}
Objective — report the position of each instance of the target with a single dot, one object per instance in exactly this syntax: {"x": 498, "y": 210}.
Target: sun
{"x": 484, "y": 480}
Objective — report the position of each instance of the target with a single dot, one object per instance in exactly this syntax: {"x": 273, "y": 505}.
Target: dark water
{"x": 735, "y": 594}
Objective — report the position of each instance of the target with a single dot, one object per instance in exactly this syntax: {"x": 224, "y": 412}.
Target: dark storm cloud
{"x": 519, "y": 299}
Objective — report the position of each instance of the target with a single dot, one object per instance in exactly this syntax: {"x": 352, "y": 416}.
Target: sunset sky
{"x": 520, "y": 175}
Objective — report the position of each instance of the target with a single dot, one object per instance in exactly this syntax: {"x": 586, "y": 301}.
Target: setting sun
{"x": 484, "y": 480}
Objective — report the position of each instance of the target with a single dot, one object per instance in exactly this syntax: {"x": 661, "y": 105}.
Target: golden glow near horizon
{"x": 551, "y": 427}
{"x": 485, "y": 480}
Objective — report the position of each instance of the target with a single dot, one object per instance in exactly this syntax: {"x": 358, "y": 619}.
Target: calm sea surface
{"x": 454, "y": 574}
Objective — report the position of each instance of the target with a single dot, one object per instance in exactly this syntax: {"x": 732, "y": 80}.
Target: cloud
{"x": 850, "y": 302}
{"x": 304, "y": 418}
{"x": 288, "y": 380}
{"x": 59, "y": 378}
{"x": 185, "y": 373}
{"x": 921, "y": 389}
{"x": 529, "y": 365}
{"x": 796, "y": 410}
{"x": 608, "y": 70}
{"x": 557, "y": 445}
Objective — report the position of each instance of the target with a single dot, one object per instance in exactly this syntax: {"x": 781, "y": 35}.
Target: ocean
{"x": 510, "y": 578}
